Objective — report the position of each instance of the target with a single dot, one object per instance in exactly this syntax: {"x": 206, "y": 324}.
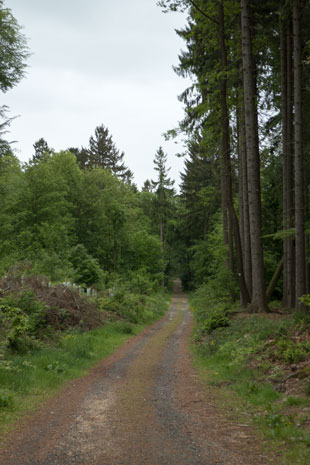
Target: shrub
{"x": 216, "y": 319}
{"x": 18, "y": 329}
{"x": 6, "y": 400}
{"x": 291, "y": 352}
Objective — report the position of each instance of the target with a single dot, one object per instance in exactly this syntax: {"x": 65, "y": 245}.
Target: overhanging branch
{"x": 202, "y": 12}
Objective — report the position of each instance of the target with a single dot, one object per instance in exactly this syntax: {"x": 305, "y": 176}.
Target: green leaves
{"x": 13, "y": 50}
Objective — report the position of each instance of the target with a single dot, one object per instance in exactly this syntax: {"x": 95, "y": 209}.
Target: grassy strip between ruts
{"x": 255, "y": 380}
{"x": 29, "y": 379}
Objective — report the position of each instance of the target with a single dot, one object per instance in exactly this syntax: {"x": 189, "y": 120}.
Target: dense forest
{"x": 240, "y": 223}
{"x": 239, "y": 226}
{"x": 246, "y": 166}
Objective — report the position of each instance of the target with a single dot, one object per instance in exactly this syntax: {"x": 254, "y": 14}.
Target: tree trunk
{"x": 299, "y": 175}
{"x": 246, "y": 246}
{"x": 283, "y": 79}
{"x": 287, "y": 135}
{"x": 258, "y": 302}
{"x": 225, "y": 152}
{"x": 226, "y": 227}
{"x": 240, "y": 192}
{"x": 307, "y": 264}
{"x": 274, "y": 280}
{"x": 289, "y": 173}
{"x": 161, "y": 226}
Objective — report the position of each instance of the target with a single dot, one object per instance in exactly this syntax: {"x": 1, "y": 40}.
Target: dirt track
{"x": 143, "y": 405}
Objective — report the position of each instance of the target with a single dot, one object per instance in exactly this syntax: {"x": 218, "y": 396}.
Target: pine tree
{"x": 164, "y": 193}
{"x": 299, "y": 161}
{"x": 81, "y": 156}
{"x": 41, "y": 148}
{"x": 103, "y": 153}
{"x": 253, "y": 161}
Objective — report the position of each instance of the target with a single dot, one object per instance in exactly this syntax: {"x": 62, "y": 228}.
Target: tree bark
{"x": 275, "y": 279}
{"x": 283, "y": 79}
{"x": 287, "y": 135}
{"x": 161, "y": 235}
{"x": 299, "y": 175}
{"x": 224, "y": 217}
{"x": 225, "y": 151}
{"x": 258, "y": 302}
{"x": 246, "y": 246}
{"x": 289, "y": 173}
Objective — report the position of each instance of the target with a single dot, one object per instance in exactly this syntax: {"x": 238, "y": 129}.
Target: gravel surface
{"x": 144, "y": 405}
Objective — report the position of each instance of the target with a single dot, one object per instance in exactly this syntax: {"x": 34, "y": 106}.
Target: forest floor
{"x": 145, "y": 404}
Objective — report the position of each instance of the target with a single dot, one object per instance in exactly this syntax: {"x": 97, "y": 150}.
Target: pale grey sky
{"x": 99, "y": 62}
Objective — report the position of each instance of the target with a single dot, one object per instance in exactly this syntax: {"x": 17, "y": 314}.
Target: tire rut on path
{"x": 142, "y": 406}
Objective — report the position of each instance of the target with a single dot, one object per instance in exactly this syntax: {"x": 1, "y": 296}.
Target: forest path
{"x": 143, "y": 405}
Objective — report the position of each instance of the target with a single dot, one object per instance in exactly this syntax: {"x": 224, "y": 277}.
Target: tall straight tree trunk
{"x": 307, "y": 264}
{"x": 290, "y": 170}
{"x": 258, "y": 302}
{"x": 225, "y": 151}
{"x": 240, "y": 196}
{"x": 227, "y": 230}
{"x": 287, "y": 135}
{"x": 225, "y": 219}
{"x": 299, "y": 174}
{"x": 246, "y": 246}
{"x": 283, "y": 79}
{"x": 161, "y": 235}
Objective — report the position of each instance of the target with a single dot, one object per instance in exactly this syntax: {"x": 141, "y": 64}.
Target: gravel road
{"x": 144, "y": 405}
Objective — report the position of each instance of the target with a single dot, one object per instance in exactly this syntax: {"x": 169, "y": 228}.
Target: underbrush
{"x": 259, "y": 365}
{"x": 28, "y": 379}
{"x": 50, "y": 334}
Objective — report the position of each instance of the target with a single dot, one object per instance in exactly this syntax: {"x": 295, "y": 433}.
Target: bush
{"x": 6, "y": 400}
{"x": 21, "y": 316}
{"x": 290, "y": 352}
{"x": 87, "y": 269}
{"x": 217, "y": 319}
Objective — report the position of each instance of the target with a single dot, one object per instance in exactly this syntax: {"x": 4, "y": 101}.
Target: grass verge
{"x": 26, "y": 380}
{"x": 257, "y": 367}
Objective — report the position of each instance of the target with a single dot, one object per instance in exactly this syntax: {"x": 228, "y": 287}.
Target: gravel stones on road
{"x": 142, "y": 406}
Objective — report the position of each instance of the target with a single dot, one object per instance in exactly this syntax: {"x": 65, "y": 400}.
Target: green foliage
{"x": 87, "y": 270}
{"x": 6, "y": 400}
{"x": 209, "y": 264}
{"x": 292, "y": 352}
{"x": 305, "y": 300}
{"x": 216, "y": 319}
{"x": 103, "y": 153}
{"x": 56, "y": 367}
{"x": 14, "y": 50}
{"x": 71, "y": 223}
{"x": 292, "y": 401}
{"x": 246, "y": 361}
{"x": 21, "y": 317}
{"x": 136, "y": 300}
{"x": 26, "y": 378}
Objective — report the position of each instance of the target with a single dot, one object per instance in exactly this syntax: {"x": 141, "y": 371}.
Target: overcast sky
{"x": 99, "y": 62}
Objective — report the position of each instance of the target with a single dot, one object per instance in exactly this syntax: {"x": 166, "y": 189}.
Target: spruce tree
{"x": 41, "y": 148}
{"x": 164, "y": 193}
{"x": 103, "y": 153}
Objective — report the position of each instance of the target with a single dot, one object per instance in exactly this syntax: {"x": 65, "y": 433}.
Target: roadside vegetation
{"x": 72, "y": 223}
{"x": 50, "y": 334}
{"x": 258, "y": 368}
